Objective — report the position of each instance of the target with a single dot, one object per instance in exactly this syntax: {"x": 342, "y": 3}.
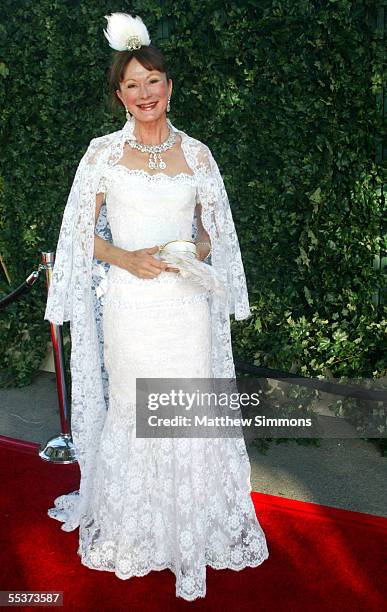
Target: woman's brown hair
{"x": 149, "y": 56}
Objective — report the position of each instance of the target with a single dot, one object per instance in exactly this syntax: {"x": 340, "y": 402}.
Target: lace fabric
{"x": 215, "y": 525}
{"x": 157, "y": 177}
{"x": 183, "y": 524}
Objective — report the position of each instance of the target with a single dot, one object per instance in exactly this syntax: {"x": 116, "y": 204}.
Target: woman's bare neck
{"x": 151, "y": 133}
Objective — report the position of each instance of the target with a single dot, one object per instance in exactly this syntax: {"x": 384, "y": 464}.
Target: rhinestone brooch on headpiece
{"x": 133, "y": 43}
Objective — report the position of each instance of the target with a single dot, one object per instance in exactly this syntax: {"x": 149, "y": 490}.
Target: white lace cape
{"x": 72, "y": 293}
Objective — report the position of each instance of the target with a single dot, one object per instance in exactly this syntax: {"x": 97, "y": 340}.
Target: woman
{"x": 149, "y": 503}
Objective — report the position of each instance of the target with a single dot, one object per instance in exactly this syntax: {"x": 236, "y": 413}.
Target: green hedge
{"x": 283, "y": 92}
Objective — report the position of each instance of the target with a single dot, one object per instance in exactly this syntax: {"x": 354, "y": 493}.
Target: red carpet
{"x": 321, "y": 558}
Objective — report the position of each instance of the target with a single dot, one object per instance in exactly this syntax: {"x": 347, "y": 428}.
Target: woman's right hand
{"x": 142, "y": 264}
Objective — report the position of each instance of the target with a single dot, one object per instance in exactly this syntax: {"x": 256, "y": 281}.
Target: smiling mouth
{"x": 147, "y": 107}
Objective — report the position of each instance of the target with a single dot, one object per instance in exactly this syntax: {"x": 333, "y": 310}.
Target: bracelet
{"x": 206, "y": 244}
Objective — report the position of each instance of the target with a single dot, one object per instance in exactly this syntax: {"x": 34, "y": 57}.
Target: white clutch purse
{"x": 181, "y": 254}
{"x": 188, "y": 247}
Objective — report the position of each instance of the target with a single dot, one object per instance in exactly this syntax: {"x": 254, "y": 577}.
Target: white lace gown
{"x": 162, "y": 503}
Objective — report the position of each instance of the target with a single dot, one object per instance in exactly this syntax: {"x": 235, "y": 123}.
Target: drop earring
{"x": 128, "y": 115}
{"x": 169, "y": 105}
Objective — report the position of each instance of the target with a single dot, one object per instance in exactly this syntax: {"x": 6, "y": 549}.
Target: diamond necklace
{"x": 154, "y": 151}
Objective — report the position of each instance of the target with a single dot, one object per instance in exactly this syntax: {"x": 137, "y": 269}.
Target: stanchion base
{"x": 58, "y": 450}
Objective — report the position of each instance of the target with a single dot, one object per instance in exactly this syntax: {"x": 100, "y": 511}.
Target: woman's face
{"x": 144, "y": 92}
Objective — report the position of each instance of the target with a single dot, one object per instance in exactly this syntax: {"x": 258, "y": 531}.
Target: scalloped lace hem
{"x": 137, "y": 573}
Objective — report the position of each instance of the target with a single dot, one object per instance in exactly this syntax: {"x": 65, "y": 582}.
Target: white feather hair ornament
{"x": 125, "y": 32}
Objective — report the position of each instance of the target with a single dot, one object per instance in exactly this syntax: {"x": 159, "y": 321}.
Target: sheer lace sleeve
{"x": 197, "y": 196}
{"x": 74, "y": 250}
{"x": 218, "y": 221}
{"x": 102, "y": 185}
{"x": 59, "y": 299}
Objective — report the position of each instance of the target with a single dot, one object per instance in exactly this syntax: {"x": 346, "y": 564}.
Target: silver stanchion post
{"x": 59, "y": 449}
